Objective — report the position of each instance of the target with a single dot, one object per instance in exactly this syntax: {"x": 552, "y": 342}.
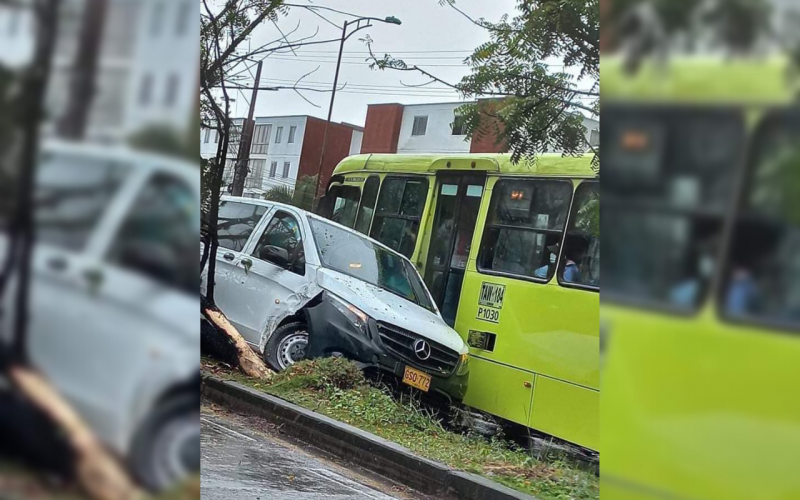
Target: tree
{"x": 21, "y": 114}
{"x": 280, "y": 194}
{"x": 225, "y": 27}
{"x": 534, "y": 106}
{"x": 165, "y": 140}
{"x": 647, "y": 28}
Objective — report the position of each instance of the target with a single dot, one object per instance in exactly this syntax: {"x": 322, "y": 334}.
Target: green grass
{"x": 336, "y": 388}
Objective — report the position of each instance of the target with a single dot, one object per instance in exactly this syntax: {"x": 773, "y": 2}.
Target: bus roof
{"x": 699, "y": 80}
{"x": 545, "y": 164}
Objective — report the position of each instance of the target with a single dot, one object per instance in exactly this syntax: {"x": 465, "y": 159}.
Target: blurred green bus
{"x": 700, "y": 357}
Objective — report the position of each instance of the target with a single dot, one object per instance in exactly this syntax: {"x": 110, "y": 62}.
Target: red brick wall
{"x": 336, "y": 149}
{"x": 484, "y": 140}
{"x": 382, "y": 128}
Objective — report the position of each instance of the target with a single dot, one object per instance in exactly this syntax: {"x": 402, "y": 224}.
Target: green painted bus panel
{"x": 695, "y": 407}
{"x": 499, "y": 389}
{"x": 699, "y": 80}
{"x": 544, "y": 165}
{"x": 566, "y": 411}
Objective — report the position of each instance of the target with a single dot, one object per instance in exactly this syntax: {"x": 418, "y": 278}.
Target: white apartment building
{"x": 433, "y": 128}
{"x": 147, "y": 70}
{"x": 284, "y": 149}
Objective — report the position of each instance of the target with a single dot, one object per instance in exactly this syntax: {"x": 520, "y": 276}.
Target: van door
{"x": 275, "y": 280}
{"x": 458, "y": 200}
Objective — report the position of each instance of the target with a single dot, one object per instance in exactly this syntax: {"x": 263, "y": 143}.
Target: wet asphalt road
{"x": 239, "y": 462}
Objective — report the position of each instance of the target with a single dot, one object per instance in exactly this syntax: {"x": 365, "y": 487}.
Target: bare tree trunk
{"x": 98, "y": 473}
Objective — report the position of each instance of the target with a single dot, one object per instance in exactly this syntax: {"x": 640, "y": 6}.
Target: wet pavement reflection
{"x": 240, "y": 464}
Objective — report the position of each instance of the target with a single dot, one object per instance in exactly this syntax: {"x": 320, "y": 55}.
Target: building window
{"x": 272, "y": 168}
{"x": 286, "y": 166}
{"x": 157, "y": 20}
{"x": 184, "y": 16}
{"x": 146, "y": 89}
{"x": 524, "y": 228}
{"x": 459, "y": 127}
{"x": 208, "y": 136}
{"x": 261, "y": 139}
{"x": 216, "y": 136}
{"x": 172, "y": 90}
{"x": 255, "y": 174}
{"x": 420, "y": 125}
{"x": 292, "y": 131}
{"x": 278, "y": 135}
{"x": 594, "y": 138}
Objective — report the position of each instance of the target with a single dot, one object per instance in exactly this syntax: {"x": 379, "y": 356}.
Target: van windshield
{"x": 355, "y": 255}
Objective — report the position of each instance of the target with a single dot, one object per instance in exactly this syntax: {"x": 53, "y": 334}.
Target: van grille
{"x": 401, "y": 342}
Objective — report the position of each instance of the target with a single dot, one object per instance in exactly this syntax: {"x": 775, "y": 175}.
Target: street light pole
{"x": 345, "y": 36}
{"x": 328, "y": 121}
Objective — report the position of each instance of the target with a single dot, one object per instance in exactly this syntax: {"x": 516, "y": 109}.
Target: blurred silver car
{"x": 113, "y": 300}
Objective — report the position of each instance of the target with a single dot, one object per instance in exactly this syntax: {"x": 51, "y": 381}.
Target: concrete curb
{"x": 356, "y": 446}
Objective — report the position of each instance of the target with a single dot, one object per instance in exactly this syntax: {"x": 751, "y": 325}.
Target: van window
{"x": 159, "y": 231}
{"x": 368, "y": 200}
{"x": 72, "y": 194}
{"x": 580, "y": 264}
{"x": 398, "y": 213}
{"x": 236, "y": 222}
{"x": 524, "y": 228}
{"x": 283, "y": 232}
{"x": 345, "y": 204}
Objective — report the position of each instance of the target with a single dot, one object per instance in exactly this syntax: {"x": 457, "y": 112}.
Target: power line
{"x": 305, "y": 83}
{"x": 365, "y": 63}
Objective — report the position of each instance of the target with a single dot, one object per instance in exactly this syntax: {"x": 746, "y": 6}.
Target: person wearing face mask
{"x": 544, "y": 271}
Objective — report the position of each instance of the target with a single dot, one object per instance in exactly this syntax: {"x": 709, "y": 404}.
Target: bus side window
{"x": 524, "y": 228}
{"x": 398, "y": 213}
{"x": 580, "y": 261}
{"x": 367, "y": 208}
{"x": 345, "y": 204}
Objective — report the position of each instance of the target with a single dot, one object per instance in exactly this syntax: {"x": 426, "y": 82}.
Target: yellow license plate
{"x": 416, "y": 378}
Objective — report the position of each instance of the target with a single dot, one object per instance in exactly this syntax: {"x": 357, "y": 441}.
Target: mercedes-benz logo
{"x": 422, "y": 349}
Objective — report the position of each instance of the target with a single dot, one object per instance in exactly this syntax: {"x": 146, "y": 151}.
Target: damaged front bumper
{"x": 332, "y": 332}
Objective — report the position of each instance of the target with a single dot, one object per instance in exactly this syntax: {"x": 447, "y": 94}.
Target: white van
{"x": 113, "y": 305}
{"x": 283, "y": 273}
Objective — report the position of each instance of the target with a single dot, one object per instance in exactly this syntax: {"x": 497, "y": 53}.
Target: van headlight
{"x": 463, "y": 364}
{"x": 356, "y": 316}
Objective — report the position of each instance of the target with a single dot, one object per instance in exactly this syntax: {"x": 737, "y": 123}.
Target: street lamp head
{"x": 393, "y": 20}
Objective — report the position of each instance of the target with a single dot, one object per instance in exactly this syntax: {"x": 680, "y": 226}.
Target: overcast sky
{"x": 434, "y": 37}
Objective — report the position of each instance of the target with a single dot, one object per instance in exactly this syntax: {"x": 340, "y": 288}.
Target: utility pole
{"x": 73, "y": 124}
{"x": 246, "y": 140}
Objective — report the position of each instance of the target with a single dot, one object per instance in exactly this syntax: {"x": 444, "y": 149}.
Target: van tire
{"x": 162, "y": 452}
{"x": 286, "y": 346}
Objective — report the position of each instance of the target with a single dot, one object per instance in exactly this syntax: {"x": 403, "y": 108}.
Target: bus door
{"x": 458, "y": 199}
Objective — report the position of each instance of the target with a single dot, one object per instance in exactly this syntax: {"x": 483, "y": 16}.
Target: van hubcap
{"x": 292, "y": 349}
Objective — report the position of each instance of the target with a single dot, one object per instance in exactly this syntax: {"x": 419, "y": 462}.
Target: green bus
{"x": 511, "y": 255}
{"x": 701, "y": 302}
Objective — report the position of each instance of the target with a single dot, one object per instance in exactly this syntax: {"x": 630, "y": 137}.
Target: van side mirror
{"x": 277, "y": 255}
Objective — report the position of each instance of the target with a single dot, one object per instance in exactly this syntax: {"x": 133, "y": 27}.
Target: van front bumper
{"x": 332, "y": 333}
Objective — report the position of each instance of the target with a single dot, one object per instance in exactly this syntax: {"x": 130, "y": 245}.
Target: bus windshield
{"x": 668, "y": 181}
{"x": 355, "y": 255}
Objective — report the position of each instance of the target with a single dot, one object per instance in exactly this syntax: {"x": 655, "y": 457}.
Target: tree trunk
{"x": 98, "y": 473}
{"x": 249, "y": 362}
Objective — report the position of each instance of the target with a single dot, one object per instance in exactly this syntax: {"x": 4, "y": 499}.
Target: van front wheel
{"x": 286, "y": 346}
